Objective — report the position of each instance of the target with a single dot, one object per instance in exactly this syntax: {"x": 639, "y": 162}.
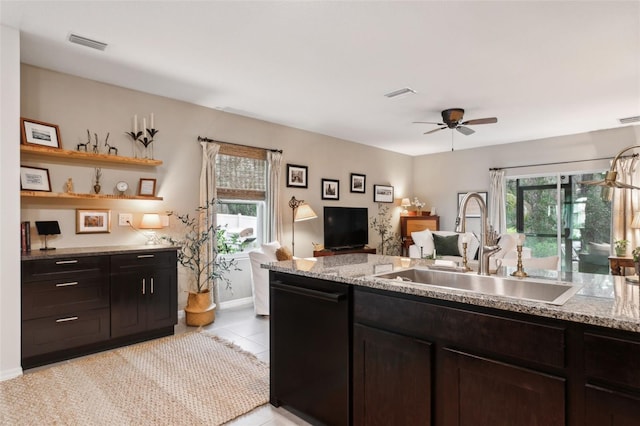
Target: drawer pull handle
{"x": 143, "y": 285}
{"x": 152, "y": 285}
{"x": 65, "y": 262}
{"x": 67, "y": 319}
{"x": 144, "y": 256}
{"x": 67, "y": 284}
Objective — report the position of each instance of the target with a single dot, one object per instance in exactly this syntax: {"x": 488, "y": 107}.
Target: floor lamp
{"x": 301, "y": 211}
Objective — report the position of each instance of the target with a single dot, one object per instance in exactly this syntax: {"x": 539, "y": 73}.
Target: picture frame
{"x": 95, "y": 221}
{"x": 39, "y": 133}
{"x": 297, "y": 176}
{"x": 330, "y": 189}
{"x": 383, "y": 194}
{"x": 473, "y": 209}
{"x": 358, "y": 183}
{"x": 147, "y": 187}
{"x": 34, "y": 179}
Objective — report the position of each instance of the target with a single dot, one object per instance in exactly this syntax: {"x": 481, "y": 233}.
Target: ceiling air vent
{"x": 400, "y": 92}
{"x": 629, "y": 120}
{"x": 83, "y": 41}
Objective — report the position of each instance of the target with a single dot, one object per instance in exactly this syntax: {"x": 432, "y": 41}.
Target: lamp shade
{"x": 405, "y": 202}
{"x": 151, "y": 221}
{"x": 304, "y": 212}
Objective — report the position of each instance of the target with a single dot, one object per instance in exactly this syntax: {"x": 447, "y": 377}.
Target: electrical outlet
{"x": 124, "y": 219}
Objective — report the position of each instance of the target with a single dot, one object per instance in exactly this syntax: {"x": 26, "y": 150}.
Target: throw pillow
{"x": 270, "y": 248}
{"x": 446, "y": 245}
{"x": 423, "y": 239}
{"x": 283, "y": 253}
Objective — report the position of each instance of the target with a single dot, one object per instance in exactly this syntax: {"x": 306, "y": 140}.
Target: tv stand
{"x": 328, "y": 252}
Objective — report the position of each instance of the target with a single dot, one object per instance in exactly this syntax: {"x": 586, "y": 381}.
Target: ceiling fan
{"x": 451, "y": 118}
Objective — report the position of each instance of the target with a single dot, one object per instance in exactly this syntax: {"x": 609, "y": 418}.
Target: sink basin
{"x": 522, "y": 289}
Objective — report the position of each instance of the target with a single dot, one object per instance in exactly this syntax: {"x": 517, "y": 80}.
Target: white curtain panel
{"x": 497, "y": 201}
{"x": 274, "y": 212}
{"x": 625, "y": 202}
{"x": 207, "y": 195}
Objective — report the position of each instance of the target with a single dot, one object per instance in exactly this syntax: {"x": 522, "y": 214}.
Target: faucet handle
{"x": 492, "y": 236}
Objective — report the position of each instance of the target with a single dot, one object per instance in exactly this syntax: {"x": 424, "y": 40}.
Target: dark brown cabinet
{"x": 143, "y": 295}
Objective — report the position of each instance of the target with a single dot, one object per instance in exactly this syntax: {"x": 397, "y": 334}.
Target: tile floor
{"x": 242, "y": 327}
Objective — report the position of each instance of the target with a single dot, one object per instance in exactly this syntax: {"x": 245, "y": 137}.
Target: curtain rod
{"x": 201, "y": 139}
{"x": 555, "y": 163}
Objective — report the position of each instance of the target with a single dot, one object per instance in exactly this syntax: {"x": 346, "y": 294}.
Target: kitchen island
{"x": 409, "y": 353}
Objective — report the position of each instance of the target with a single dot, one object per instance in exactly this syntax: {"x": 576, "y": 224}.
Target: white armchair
{"x": 260, "y": 276}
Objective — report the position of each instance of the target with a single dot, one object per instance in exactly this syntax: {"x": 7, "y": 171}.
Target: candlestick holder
{"x": 144, "y": 140}
{"x": 464, "y": 258}
{"x": 519, "y": 272}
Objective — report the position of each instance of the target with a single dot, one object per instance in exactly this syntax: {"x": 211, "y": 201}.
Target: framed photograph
{"x": 96, "y": 221}
{"x": 39, "y": 133}
{"x": 34, "y": 179}
{"x": 330, "y": 189}
{"x": 358, "y": 183}
{"x": 297, "y": 176}
{"x": 147, "y": 187}
{"x": 473, "y": 209}
{"x": 382, "y": 194}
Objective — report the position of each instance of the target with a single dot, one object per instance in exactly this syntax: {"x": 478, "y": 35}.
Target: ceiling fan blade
{"x": 428, "y": 122}
{"x": 488, "y": 120}
{"x": 434, "y": 130}
{"x": 465, "y": 130}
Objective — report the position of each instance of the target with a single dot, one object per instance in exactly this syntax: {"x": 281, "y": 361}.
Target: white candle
{"x": 521, "y": 239}
{"x": 144, "y": 127}
{"x": 152, "y": 126}
{"x": 135, "y": 124}
{"x": 465, "y": 238}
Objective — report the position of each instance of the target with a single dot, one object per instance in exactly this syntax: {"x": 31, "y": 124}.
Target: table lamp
{"x": 151, "y": 221}
{"x": 404, "y": 204}
{"x": 301, "y": 212}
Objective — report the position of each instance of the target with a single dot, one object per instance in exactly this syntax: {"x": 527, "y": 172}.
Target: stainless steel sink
{"x": 523, "y": 289}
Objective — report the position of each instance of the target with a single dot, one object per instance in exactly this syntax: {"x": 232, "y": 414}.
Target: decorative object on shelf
{"x": 473, "y": 209}
{"x": 34, "y": 179}
{"x": 301, "y": 211}
{"x": 201, "y": 257}
{"x": 358, "y": 183}
{"x": 145, "y": 136}
{"x": 297, "y": 176}
{"x": 109, "y": 147}
{"x": 96, "y": 149}
{"x": 46, "y": 228}
{"x": 330, "y": 189}
{"x": 419, "y": 205}
{"x": 381, "y": 224}
{"x": 151, "y": 221}
{"x": 147, "y": 187}
{"x": 84, "y": 145}
{"x": 96, "y": 186}
{"x": 621, "y": 247}
{"x": 122, "y": 187}
{"x": 404, "y": 204}
{"x": 68, "y": 187}
{"x": 97, "y": 221}
{"x": 519, "y": 272}
{"x": 40, "y": 133}
{"x": 382, "y": 194}
{"x": 432, "y": 211}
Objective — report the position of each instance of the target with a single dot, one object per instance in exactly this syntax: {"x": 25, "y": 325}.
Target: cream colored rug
{"x": 188, "y": 379}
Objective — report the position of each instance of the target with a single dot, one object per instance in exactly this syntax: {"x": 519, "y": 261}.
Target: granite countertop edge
{"x": 94, "y": 251}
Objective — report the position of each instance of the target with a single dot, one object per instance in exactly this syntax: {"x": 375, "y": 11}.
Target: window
{"x": 561, "y": 217}
{"x": 241, "y": 179}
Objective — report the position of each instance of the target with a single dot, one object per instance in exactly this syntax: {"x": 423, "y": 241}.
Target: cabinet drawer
{"x": 64, "y": 268}
{"x": 611, "y": 359}
{"x": 51, "y": 334}
{"x": 58, "y": 297}
{"x": 460, "y": 328}
{"x": 127, "y": 262}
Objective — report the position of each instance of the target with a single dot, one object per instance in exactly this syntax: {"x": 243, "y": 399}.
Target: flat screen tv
{"x": 345, "y": 227}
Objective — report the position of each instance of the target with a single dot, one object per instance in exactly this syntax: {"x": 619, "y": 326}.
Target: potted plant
{"x": 389, "y": 240}
{"x": 199, "y": 254}
{"x": 621, "y": 247}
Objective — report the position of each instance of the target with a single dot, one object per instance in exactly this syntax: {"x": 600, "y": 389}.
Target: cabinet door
{"x": 605, "y": 407}
{"x": 128, "y": 310}
{"x": 391, "y": 378}
{"x": 161, "y": 299}
{"x": 482, "y": 392}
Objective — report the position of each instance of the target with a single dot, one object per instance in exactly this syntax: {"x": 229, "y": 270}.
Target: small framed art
{"x": 96, "y": 221}
{"x": 297, "y": 176}
{"x": 358, "y": 183}
{"x": 330, "y": 189}
{"x": 34, "y": 179}
{"x": 147, "y": 187}
{"x": 40, "y": 133}
{"x": 383, "y": 194}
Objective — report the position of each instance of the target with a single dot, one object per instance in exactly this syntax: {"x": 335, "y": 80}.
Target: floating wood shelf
{"x": 87, "y": 156}
{"x": 73, "y": 195}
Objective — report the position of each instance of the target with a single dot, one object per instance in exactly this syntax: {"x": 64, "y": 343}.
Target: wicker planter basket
{"x": 200, "y": 309}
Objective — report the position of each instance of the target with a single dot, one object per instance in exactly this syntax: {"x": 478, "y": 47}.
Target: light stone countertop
{"x": 604, "y": 300}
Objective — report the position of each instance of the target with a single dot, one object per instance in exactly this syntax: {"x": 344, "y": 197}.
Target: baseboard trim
{"x": 236, "y": 303}
{"x": 10, "y": 374}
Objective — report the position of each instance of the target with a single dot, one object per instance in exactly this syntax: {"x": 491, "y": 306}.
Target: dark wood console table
{"x": 321, "y": 253}
{"x": 617, "y": 263}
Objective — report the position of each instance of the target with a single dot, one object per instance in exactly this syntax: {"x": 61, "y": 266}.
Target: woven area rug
{"x": 188, "y": 379}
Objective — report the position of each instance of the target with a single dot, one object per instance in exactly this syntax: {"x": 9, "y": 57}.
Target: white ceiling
{"x": 544, "y": 68}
